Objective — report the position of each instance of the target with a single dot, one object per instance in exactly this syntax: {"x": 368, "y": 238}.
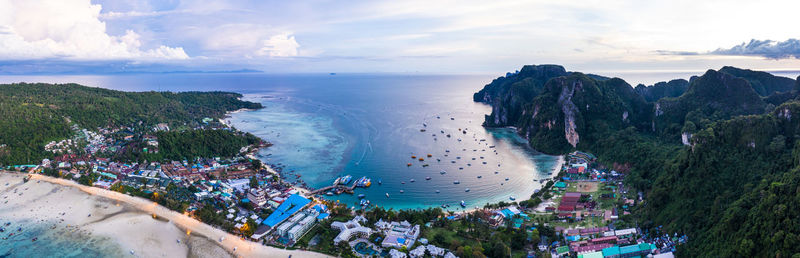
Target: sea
{"x": 52, "y": 243}
{"x": 324, "y": 126}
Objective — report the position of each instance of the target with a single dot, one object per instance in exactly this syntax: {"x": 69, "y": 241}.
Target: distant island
{"x": 714, "y": 157}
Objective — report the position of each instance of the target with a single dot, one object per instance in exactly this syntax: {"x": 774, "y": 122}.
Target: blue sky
{"x": 410, "y": 36}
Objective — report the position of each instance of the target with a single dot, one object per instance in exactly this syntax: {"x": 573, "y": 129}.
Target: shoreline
{"x": 306, "y": 191}
{"x": 145, "y": 216}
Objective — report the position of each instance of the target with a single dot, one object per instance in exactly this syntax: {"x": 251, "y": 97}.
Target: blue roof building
{"x": 291, "y": 205}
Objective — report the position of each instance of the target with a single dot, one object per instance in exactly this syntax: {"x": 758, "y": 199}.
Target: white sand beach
{"x": 126, "y": 220}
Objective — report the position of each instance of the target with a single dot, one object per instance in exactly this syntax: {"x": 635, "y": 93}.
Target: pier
{"x": 344, "y": 188}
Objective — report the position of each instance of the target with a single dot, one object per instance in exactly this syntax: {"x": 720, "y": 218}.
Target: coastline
{"x": 131, "y": 222}
{"x": 470, "y": 208}
{"x": 264, "y": 165}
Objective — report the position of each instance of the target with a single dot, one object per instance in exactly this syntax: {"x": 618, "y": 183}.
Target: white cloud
{"x": 282, "y": 45}
{"x": 68, "y": 29}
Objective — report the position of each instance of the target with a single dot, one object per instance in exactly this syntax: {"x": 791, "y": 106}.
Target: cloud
{"x": 676, "y": 53}
{"x": 69, "y": 29}
{"x": 282, "y": 45}
{"x": 789, "y": 48}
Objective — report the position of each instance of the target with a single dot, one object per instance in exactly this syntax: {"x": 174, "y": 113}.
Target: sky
{"x": 409, "y": 36}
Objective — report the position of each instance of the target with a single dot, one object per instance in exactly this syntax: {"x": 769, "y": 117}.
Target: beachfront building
{"x": 287, "y": 208}
{"x": 398, "y": 234}
{"x": 301, "y": 227}
{"x": 351, "y": 228}
{"x": 257, "y": 196}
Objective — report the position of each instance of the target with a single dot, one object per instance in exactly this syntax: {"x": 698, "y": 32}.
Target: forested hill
{"x": 33, "y": 114}
{"x": 719, "y": 162}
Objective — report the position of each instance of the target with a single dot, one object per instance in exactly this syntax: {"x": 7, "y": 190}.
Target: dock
{"x": 344, "y": 188}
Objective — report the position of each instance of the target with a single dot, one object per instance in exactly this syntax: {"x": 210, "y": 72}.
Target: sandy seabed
{"x": 135, "y": 224}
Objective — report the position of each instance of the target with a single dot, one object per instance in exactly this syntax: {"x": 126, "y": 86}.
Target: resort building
{"x": 299, "y": 229}
{"x": 418, "y": 252}
{"x": 398, "y": 234}
{"x": 287, "y": 208}
{"x": 257, "y": 196}
{"x": 351, "y": 228}
{"x": 396, "y": 254}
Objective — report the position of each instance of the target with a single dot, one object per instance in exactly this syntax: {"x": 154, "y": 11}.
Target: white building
{"x": 351, "y": 228}
{"x": 257, "y": 196}
{"x": 624, "y": 232}
{"x": 396, "y": 254}
{"x": 417, "y": 252}
{"x": 435, "y": 251}
{"x": 398, "y": 234}
{"x": 301, "y": 228}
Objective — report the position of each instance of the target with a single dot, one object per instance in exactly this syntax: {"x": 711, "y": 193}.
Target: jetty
{"x": 344, "y": 188}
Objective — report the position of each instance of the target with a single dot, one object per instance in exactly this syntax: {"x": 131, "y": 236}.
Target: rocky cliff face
{"x": 565, "y": 108}
{"x": 509, "y": 94}
{"x": 558, "y": 111}
{"x": 569, "y": 109}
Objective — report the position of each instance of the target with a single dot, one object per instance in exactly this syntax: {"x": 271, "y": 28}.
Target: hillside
{"x": 713, "y": 96}
{"x": 763, "y": 83}
{"x": 671, "y": 89}
{"x": 34, "y": 114}
{"x": 732, "y": 190}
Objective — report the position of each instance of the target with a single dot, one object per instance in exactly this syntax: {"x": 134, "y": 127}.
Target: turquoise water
{"x": 369, "y": 125}
{"x": 59, "y": 242}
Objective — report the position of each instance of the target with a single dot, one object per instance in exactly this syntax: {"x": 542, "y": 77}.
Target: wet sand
{"x": 125, "y": 220}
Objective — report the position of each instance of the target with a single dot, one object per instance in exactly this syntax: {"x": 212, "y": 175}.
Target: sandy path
{"x": 126, "y": 219}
